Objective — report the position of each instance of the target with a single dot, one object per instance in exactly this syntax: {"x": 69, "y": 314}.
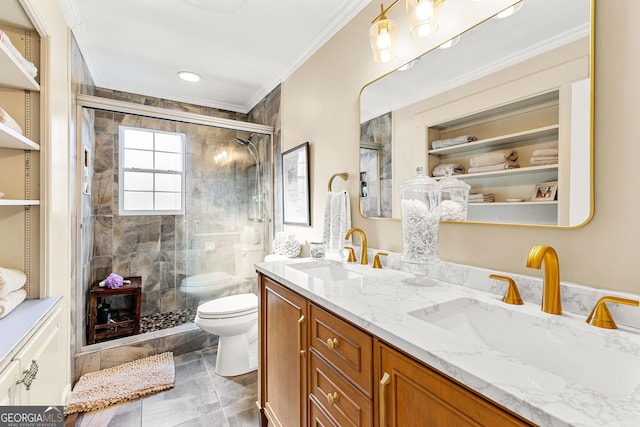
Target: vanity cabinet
{"x": 283, "y": 321}
{"x": 412, "y": 394}
{"x": 9, "y": 378}
{"x": 317, "y": 369}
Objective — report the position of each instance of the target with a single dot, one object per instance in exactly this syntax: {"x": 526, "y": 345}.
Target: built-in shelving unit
{"x": 13, "y": 73}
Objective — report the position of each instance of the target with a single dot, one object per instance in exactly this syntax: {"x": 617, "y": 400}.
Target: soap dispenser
{"x": 455, "y": 198}
{"x": 420, "y": 206}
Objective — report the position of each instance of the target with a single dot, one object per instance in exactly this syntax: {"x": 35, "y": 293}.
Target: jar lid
{"x": 450, "y": 183}
{"x": 420, "y": 183}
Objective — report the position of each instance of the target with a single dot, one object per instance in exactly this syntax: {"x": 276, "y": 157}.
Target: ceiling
{"x": 242, "y": 48}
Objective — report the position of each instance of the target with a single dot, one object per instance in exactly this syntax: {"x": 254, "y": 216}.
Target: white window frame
{"x": 122, "y": 170}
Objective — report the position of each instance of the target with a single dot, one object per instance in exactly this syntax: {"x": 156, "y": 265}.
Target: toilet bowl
{"x": 235, "y": 320}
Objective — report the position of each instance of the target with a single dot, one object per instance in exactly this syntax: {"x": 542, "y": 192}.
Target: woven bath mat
{"x": 97, "y": 390}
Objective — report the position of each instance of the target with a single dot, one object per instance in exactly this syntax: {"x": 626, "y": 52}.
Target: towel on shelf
{"x": 441, "y": 169}
{"x": 545, "y": 152}
{"x": 479, "y": 197}
{"x": 29, "y": 67}
{"x": 543, "y": 160}
{"x": 450, "y": 142}
{"x": 9, "y": 122}
{"x": 11, "y": 280}
{"x": 11, "y": 301}
{"x": 497, "y": 167}
{"x": 337, "y": 221}
{"x": 493, "y": 158}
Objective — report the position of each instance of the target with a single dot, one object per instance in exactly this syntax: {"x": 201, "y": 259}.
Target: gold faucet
{"x": 601, "y": 317}
{"x": 551, "y": 302}
{"x": 364, "y": 260}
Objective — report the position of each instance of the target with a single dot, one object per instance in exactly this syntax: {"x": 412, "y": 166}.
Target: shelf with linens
{"x": 499, "y": 157}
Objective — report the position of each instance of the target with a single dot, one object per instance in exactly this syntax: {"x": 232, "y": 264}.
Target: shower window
{"x": 151, "y": 172}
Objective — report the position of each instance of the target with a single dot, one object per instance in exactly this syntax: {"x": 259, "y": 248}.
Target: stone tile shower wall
{"x": 165, "y": 249}
{"x": 376, "y": 134}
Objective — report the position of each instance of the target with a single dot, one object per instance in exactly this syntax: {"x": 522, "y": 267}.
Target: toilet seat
{"x": 231, "y": 306}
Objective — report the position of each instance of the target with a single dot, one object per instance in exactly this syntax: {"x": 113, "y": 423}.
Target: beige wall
{"x": 320, "y": 105}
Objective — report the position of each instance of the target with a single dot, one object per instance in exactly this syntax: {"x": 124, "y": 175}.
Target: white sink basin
{"x": 327, "y": 270}
{"x": 576, "y": 355}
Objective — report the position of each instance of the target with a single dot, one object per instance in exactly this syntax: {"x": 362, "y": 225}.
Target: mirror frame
{"x": 591, "y": 160}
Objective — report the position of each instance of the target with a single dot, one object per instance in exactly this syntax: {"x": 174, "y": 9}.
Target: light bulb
{"x": 384, "y": 39}
{"x": 424, "y": 30}
{"x": 424, "y": 10}
{"x": 386, "y": 56}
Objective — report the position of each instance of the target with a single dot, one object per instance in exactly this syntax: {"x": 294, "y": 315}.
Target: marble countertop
{"x": 382, "y": 301}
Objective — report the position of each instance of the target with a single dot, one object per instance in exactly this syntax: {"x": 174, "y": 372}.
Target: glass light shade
{"x": 423, "y": 16}
{"x": 383, "y": 39}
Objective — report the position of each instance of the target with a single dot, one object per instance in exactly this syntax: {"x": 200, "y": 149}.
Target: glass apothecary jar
{"x": 420, "y": 206}
{"x": 455, "y": 198}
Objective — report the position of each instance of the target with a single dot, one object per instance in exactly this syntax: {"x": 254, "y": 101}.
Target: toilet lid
{"x": 231, "y": 305}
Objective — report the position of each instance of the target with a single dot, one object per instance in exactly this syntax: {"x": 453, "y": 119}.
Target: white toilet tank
{"x": 245, "y": 257}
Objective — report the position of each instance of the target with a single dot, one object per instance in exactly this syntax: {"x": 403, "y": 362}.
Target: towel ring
{"x": 342, "y": 175}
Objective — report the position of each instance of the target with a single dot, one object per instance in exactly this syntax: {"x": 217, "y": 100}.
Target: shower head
{"x": 245, "y": 142}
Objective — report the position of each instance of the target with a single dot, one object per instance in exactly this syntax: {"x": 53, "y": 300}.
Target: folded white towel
{"x": 337, "y": 221}
{"x": 8, "y": 121}
{"x": 11, "y": 280}
{"x": 498, "y": 167}
{"x": 442, "y": 143}
{"x": 11, "y": 301}
{"x": 27, "y": 65}
{"x": 545, "y": 152}
{"x": 493, "y": 158}
{"x": 441, "y": 169}
{"x": 543, "y": 160}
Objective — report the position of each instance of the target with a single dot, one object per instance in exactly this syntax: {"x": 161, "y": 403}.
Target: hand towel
{"x": 11, "y": 301}
{"x": 450, "y": 142}
{"x": 337, "y": 221}
{"x": 441, "y": 169}
{"x": 545, "y": 152}
{"x": 29, "y": 67}
{"x": 498, "y": 167}
{"x": 9, "y": 122}
{"x": 11, "y": 280}
{"x": 493, "y": 158}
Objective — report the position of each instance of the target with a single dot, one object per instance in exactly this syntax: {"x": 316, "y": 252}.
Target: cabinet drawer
{"x": 348, "y": 349}
{"x": 337, "y": 396}
{"x": 317, "y": 417}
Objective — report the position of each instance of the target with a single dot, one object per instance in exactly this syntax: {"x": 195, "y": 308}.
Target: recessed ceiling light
{"x": 450, "y": 43}
{"x": 189, "y": 76}
{"x": 509, "y": 11}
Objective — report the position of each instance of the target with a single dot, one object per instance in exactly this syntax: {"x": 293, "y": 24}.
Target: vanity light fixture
{"x": 450, "y": 43}
{"x": 189, "y": 76}
{"x": 423, "y": 21}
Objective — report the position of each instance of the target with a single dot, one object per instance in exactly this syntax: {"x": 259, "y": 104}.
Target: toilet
{"x": 235, "y": 320}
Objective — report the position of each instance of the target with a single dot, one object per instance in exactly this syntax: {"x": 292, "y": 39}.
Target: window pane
{"x": 168, "y": 162}
{"x": 138, "y": 139}
{"x": 168, "y": 182}
{"x": 169, "y": 142}
{"x": 168, "y": 201}
{"x": 138, "y": 201}
{"x": 142, "y": 181}
{"x": 136, "y": 159}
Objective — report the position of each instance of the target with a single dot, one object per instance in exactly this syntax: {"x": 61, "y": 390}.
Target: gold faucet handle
{"x": 512, "y": 296}
{"x": 601, "y": 317}
{"x": 352, "y": 254}
{"x": 376, "y": 259}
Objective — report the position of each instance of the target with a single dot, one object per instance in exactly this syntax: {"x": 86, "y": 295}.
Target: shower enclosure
{"x": 185, "y": 206}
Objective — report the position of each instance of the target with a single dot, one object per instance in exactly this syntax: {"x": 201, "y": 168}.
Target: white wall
{"x": 320, "y": 105}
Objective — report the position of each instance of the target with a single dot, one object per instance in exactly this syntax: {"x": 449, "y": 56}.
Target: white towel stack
{"x": 12, "y": 291}
{"x": 337, "y": 221}
{"x": 27, "y": 65}
{"x": 441, "y": 169}
{"x": 475, "y": 197}
{"x": 494, "y": 161}
{"x": 9, "y": 122}
{"x": 545, "y": 156}
{"x": 442, "y": 143}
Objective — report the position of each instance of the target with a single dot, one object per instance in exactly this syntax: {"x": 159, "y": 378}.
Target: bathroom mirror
{"x": 522, "y": 84}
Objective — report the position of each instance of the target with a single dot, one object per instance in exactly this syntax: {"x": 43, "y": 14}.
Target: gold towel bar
{"x": 342, "y": 175}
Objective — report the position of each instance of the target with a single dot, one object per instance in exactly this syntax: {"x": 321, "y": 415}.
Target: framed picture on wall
{"x": 295, "y": 185}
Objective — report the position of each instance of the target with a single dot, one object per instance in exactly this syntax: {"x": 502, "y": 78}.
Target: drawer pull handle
{"x": 332, "y": 343}
{"x": 332, "y": 397}
{"x": 300, "y": 322}
{"x": 29, "y": 375}
{"x": 386, "y": 379}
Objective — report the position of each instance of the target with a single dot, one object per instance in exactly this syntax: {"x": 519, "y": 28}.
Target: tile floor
{"x": 199, "y": 398}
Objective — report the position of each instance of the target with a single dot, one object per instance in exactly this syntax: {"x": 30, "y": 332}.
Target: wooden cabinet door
{"x": 43, "y": 352}
{"x": 283, "y": 356}
{"x": 8, "y": 387}
{"x": 412, "y": 395}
